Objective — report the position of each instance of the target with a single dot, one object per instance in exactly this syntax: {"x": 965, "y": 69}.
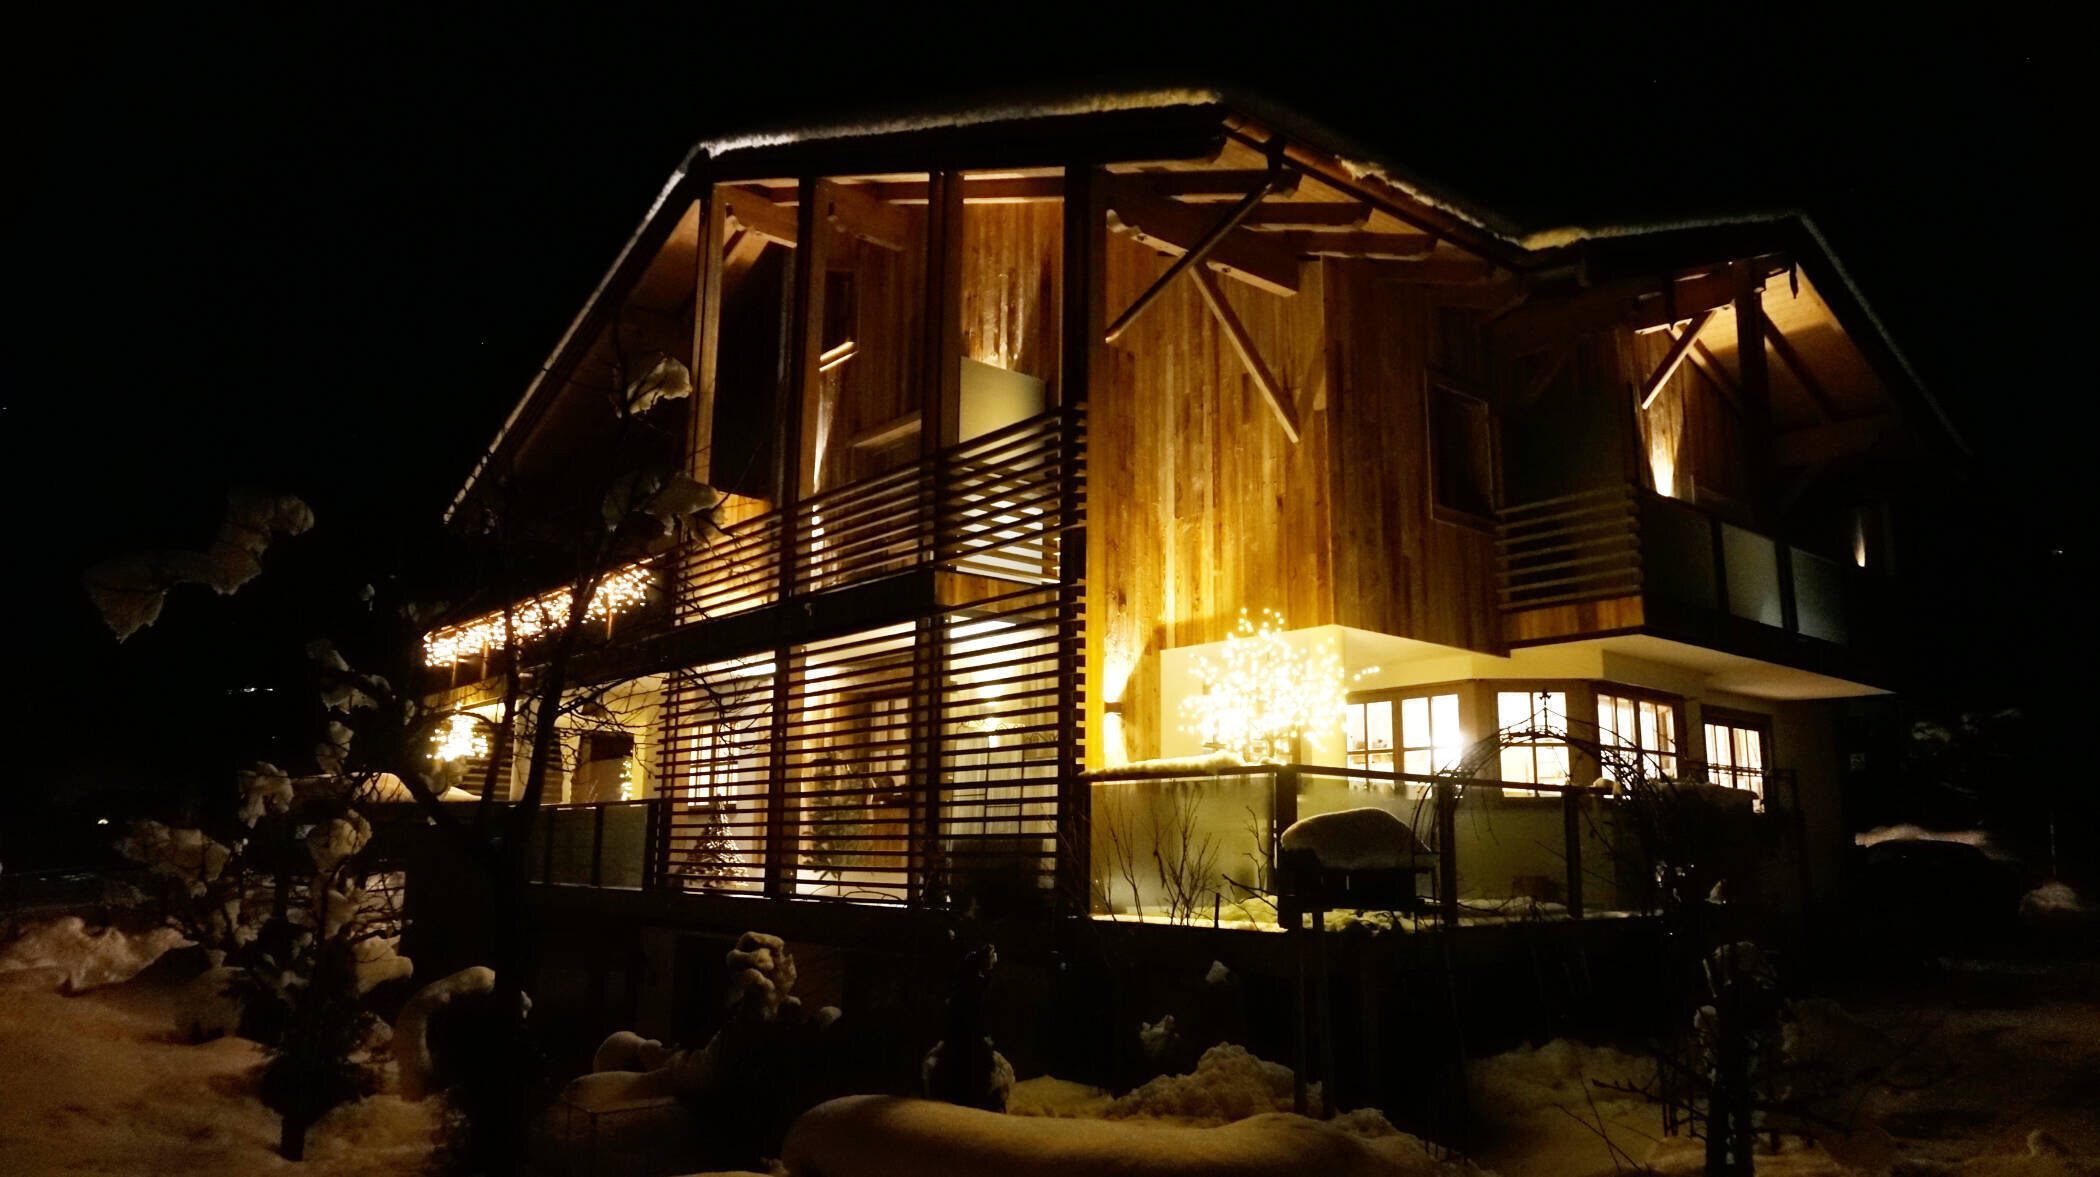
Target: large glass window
{"x": 1639, "y": 729}
{"x": 1533, "y": 757}
{"x": 1418, "y": 734}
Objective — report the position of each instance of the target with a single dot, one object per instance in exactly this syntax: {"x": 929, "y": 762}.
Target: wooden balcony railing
{"x": 988, "y": 507}
{"x": 1574, "y": 548}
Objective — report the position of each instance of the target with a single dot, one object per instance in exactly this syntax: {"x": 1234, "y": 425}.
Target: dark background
{"x": 324, "y": 253}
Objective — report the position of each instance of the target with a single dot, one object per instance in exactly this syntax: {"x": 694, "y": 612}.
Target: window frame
{"x": 1433, "y": 384}
{"x": 1400, "y": 746}
{"x": 1570, "y": 690}
{"x": 1602, "y": 689}
{"x": 1730, "y": 719}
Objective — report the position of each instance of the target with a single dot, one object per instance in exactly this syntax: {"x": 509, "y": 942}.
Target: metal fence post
{"x": 1447, "y": 850}
{"x": 1571, "y": 831}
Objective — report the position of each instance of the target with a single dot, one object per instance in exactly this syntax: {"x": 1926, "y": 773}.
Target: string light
{"x": 619, "y": 592}
{"x": 1263, "y": 694}
{"x": 459, "y": 739}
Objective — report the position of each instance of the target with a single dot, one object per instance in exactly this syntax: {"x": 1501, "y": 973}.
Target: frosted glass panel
{"x": 1753, "y": 575}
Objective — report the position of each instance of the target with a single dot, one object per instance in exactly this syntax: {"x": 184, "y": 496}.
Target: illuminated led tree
{"x": 1263, "y": 694}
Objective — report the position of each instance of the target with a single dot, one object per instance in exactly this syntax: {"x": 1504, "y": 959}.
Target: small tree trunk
{"x": 291, "y": 1137}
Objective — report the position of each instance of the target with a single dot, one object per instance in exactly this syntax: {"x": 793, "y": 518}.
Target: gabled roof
{"x": 1018, "y": 129}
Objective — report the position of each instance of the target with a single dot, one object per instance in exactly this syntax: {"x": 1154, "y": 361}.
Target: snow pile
{"x": 1229, "y": 1083}
{"x": 1547, "y": 1116}
{"x": 2052, "y": 899}
{"x": 420, "y": 1070}
{"x": 1055, "y": 1098}
{"x": 1354, "y": 839}
{"x": 183, "y": 854}
{"x": 64, "y": 954}
{"x": 872, "y": 1134}
{"x": 1906, "y": 832}
{"x": 1561, "y": 1073}
{"x": 94, "y": 1085}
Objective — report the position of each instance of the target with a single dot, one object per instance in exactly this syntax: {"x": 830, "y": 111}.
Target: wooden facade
{"x": 1004, "y": 413}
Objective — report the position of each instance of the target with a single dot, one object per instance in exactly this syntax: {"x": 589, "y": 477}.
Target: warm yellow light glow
{"x": 619, "y": 592}
{"x": 459, "y": 739}
{"x": 1859, "y": 542}
{"x": 1263, "y": 693}
{"x": 627, "y": 779}
{"x": 1663, "y": 464}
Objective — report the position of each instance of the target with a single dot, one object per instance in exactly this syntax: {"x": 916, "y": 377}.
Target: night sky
{"x": 326, "y": 256}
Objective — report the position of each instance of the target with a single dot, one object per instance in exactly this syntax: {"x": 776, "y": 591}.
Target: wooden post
{"x": 1084, "y": 360}
{"x": 805, "y": 341}
{"x": 940, "y": 388}
{"x": 707, "y": 336}
{"x": 1756, "y": 387}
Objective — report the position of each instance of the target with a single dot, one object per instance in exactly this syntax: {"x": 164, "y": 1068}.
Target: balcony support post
{"x": 1084, "y": 359}
{"x": 1571, "y": 834}
{"x": 1756, "y": 388}
{"x": 1447, "y": 850}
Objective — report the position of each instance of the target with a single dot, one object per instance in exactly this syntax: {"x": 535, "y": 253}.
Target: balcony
{"x": 989, "y": 508}
{"x": 1621, "y": 559}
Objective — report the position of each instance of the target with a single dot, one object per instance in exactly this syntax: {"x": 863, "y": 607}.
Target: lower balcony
{"x": 1623, "y": 559}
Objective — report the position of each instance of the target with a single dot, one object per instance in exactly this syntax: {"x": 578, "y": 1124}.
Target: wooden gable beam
{"x": 1242, "y": 343}
{"x": 759, "y": 215}
{"x": 858, "y": 214}
{"x": 1214, "y": 185}
{"x": 742, "y": 254}
{"x": 1557, "y": 361}
{"x": 1639, "y": 303}
{"x": 1687, "y": 339}
{"x": 1195, "y": 240}
{"x": 1277, "y": 215}
{"x": 1709, "y": 366}
{"x": 1439, "y": 271}
{"x": 1175, "y": 228}
{"x": 1817, "y": 394}
{"x": 1384, "y": 246}
{"x": 1839, "y": 439}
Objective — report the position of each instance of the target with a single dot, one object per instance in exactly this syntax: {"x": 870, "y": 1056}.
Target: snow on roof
{"x": 957, "y": 115}
{"x": 1359, "y": 160}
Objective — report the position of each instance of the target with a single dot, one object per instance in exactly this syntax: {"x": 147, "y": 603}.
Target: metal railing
{"x": 1502, "y": 849}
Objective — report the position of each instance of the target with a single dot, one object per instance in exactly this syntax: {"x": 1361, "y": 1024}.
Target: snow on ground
{"x": 871, "y": 1135}
{"x": 1984, "y": 1080}
{"x": 99, "y": 1084}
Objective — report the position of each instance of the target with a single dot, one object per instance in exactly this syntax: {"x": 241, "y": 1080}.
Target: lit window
{"x": 1426, "y": 738}
{"x": 1533, "y": 758}
{"x": 1638, "y": 728}
{"x": 1735, "y": 755}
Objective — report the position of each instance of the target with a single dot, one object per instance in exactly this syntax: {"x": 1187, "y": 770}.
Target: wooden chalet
{"x": 1015, "y": 411}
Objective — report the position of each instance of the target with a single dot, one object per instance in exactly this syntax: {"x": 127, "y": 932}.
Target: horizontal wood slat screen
{"x": 1579, "y": 547}
{"x": 717, "y": 769}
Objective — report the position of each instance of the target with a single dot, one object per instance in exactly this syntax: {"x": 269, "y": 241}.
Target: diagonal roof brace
{"x": 1201, "y": 250}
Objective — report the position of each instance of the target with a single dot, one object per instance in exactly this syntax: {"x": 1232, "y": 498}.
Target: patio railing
{"x": 1195, "y": 848}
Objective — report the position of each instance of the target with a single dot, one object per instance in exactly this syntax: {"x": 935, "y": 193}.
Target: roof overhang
{"x": 1188, "y": 123}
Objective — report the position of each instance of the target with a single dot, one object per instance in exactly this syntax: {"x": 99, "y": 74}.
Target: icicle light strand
{"x": 620, "y": 592}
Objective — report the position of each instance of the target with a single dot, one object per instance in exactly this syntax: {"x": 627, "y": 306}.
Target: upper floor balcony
{"x": 1622, "y": 559}
{"x": 972, "y": 521}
